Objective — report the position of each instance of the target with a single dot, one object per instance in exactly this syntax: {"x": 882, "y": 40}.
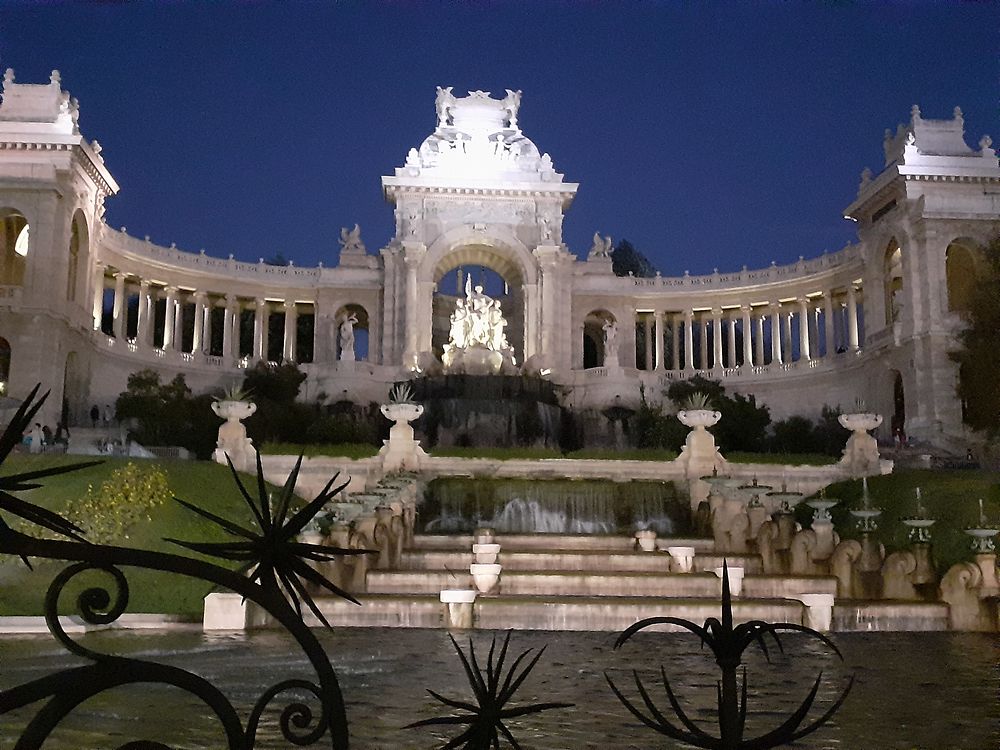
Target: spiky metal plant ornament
{"x": 728, "y": 645}
{"x": 492, "y": 690}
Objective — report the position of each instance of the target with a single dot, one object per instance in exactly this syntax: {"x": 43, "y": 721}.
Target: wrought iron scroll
{"x": 274, "y": 575}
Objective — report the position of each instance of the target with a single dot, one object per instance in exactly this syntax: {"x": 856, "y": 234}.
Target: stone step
{"x": 544, "y": 613}
{"x": 589, "y": 560}
{"x": 565, "y": 583}
{"x": 553, "y": 542}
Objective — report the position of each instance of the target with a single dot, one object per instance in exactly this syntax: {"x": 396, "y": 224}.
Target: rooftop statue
{"x": 601, "y": 248}
{"x": 350, "y": 241}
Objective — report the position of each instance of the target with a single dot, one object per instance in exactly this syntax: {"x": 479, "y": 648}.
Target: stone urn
{"x": 646, "y": 539}
{"x": 699, "y": 419}
{"x": 401, "y": 452}
{"x": 861, "y": 453}
{"x": 233, "y": 440}
{"x": 458, "y": 607}
{"x": 819, "y": 611}
{"x": 486, "y": 577}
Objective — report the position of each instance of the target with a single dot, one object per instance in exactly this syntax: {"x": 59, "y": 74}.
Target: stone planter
{"x": 681, "y": 559}
{"x": 860, "y": 422}
{"x": 861, "y": 453}
{"x": 735, "y": 580}
{"x": 486, "y": 554}
{"x": 232, "y": 440}
{"x": 646, "y": 540}
{"x": 401, "y": 452}
{"x": 485, "y": 577}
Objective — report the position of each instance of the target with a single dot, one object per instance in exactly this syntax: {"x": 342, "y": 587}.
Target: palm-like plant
{"x": 727, "y": 645}
{"x": 492, "y": 690}
{"x": 272, "y": 555}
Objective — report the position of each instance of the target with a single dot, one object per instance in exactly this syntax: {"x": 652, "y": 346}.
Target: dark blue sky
{"x": 708, "y": 134}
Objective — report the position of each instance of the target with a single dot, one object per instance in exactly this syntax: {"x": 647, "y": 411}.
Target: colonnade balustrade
{"x": 759, "y": 338}
{"x": 196, "y": 325}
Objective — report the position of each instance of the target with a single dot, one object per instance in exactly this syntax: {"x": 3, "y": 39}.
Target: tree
{"x": 979, "y": 356}
{"x": 625, "y": 259}
{"x": 167, "y": 414}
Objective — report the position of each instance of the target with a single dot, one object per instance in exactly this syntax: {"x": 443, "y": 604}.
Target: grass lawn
{"x": 208, "y": 485}
{"x": 949, "y": 496}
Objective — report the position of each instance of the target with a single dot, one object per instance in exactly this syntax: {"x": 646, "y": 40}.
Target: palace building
{"x": 83, "y": 305}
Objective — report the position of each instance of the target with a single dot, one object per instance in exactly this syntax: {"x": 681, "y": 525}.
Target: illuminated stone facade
{"x": 83, "y": 305}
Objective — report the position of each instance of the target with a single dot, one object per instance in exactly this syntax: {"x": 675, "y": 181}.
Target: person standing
{"x": 95, "y": 414}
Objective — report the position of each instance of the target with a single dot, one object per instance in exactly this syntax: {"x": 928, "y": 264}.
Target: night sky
{"x": 708, "y": 134}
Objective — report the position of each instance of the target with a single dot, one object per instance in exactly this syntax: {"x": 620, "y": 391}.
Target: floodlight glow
{"x": 21, "y": 243}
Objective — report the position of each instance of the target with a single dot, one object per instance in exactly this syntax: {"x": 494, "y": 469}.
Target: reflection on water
{"x": 455, "y": 505}
{"x": 912, "y": 690}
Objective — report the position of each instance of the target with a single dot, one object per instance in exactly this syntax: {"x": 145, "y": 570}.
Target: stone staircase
{"x": 568, "y": 582}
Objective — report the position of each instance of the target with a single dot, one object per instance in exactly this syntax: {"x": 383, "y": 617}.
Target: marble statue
{"x": 610, "y": 336}
{"x": 347, "y": 337}
{"x": 477, "y": 341}
{"x": 350, "y": 241}
{"x": 444, "y": 102}
{"x": 601, "y": 248}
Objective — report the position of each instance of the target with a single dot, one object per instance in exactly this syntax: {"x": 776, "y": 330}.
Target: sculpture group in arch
{"x": 477, "y": 344}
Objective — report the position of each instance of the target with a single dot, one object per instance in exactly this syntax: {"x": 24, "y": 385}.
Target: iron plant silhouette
{"x": 727, "y": 645}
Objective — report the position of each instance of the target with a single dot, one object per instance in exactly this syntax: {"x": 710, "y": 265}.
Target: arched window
{"x": 960, "y": 274}
{"x": 14, "y": 245}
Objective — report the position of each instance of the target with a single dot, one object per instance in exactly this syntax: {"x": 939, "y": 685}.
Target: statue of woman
{"x": 347, "y": 337}
{"x": 610, "y": 346}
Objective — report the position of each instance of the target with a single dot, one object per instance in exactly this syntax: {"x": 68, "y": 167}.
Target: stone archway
{"x": 464, "y": 248}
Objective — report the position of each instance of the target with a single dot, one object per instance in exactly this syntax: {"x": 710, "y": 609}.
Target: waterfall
{"x": 552, "y": 506}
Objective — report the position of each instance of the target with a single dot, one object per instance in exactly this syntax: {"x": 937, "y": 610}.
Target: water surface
{"x": 930, "y": 691}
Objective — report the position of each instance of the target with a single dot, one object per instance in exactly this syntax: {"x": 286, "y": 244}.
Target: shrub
{"x": 125, "y": 499}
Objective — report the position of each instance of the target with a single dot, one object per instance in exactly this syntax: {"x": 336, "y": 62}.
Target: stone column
{"x": 659, "y": 340}
{"x": 703, "y": 341}
{"x": 716, "y": 337}
{"x": 198, "y": 332}
{"x": 776, "y": 333}
{"x": 786, "y": 343}
{"x": 119, "y": 309}
{"x": 179, "y": 324}
{"x": 804, "y": 328}
{"x": 758, "y": 344}
{"x": 143, "y": 315}
{"x": 579, "y": 351}
{"x": 828, "y": 329}
{"x": 260, "y": 330}
{"x": 168, "y": 318}
{"x": 227, "y": 328}
{"x": 731, "y": 339}
{"x": 852, "y": 318}
{"x": 688, "y": 340}
{"x": 747, "y": 337}
{"x": 414, "y": 253}
{"x": 675, "y": 331}
{"x": 98, "y": 296}
{"x": 647, "y": 323}
{"x": 206, "y": 322}
{"x": 289, "y": 343}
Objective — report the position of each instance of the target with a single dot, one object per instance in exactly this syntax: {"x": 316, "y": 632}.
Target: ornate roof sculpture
{"x": 477, "y": 137}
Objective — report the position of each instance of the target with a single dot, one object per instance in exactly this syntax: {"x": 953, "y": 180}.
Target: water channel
{"x": 926, "y": 691}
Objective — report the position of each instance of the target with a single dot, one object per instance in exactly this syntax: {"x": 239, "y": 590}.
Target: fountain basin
{"x": 486, "y": 577}
{"x": 486, "y": 554}
{"x": 681, "y": 559}
{"x": 646, "y": 539}
{"x": 735, "y": 579}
